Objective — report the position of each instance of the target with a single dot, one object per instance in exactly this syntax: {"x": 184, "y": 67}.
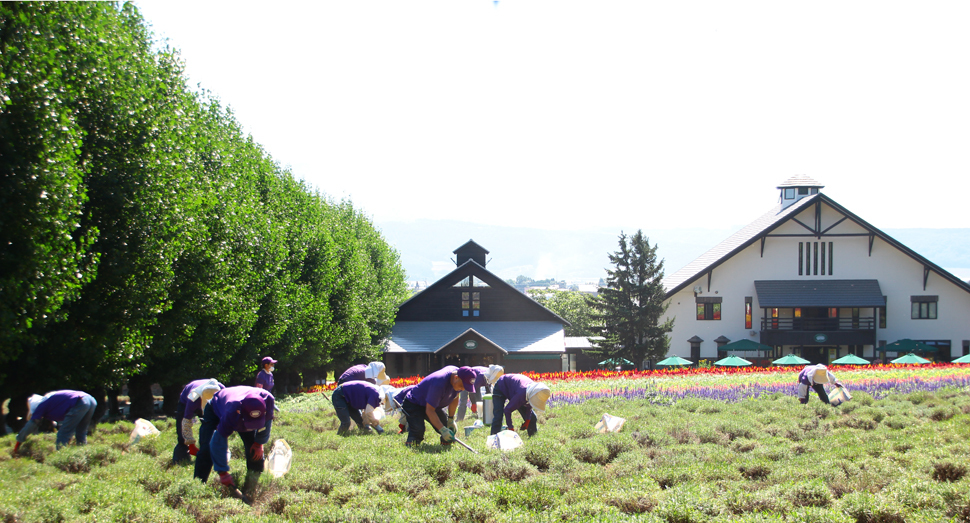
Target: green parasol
{"x": 910, "y": 359}
{"x": 851, "y": 359}
{"x": 791, "y": 359}
{"x": 613, "y": 362}
{"x": 962, "y": 359}
{"x": 674, "y": 360}
{"x": 732, "y": 361}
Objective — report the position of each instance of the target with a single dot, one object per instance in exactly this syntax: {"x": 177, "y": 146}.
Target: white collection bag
{"x": 279, "y": 459}
{"x": 609, "y": 424}
{"x": 143, "y": 429}
{"x": 839, "y": 396}
{"x": 506, "y": 440}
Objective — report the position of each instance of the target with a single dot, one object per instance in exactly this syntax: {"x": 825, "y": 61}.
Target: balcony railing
{"x": 819, "y": 324}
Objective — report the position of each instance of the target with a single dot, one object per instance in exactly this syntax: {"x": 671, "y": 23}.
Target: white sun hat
{"x": 494, "y": 373}
{"x": 375, "y": 370}
{"x": 32, "y": 402}
{"x": 538, "y": 394}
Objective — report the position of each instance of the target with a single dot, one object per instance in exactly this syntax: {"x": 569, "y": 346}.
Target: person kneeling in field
{"x": 72, "y": 409}
{"x": 242, "y": 409}
{"x": 815, "y": 376}
{"x": 349, "y": 399}
{"x": 523, "y": 395}
{"x": 427, "y": 401}
{"x": 192, "y": 403}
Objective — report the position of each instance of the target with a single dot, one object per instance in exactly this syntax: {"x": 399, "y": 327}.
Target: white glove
{"x": 187, "y": 431}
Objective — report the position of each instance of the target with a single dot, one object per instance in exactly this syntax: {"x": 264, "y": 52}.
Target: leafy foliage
{"x": 632, "y": 303}
{"x": 144, "y": 238}
{"x": 572, "y": 306}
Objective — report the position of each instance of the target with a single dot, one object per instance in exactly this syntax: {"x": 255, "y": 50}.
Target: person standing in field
{"x": 486, "y": 377}
{"x": 264, "y": 380}
{"x": 815, "y": 377}
{"x": 356, "y": 400}
{"x": 429, "y": 399}
{"x": 521, "y": 394}
{"x": 242, "y": 409}
{"x": 72, "y": 409}
{"x": 373, "y": 372}
{"x": 192, "y": 403}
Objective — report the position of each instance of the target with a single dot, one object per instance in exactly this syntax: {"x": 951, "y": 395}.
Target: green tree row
{"x": 144, "y": 238}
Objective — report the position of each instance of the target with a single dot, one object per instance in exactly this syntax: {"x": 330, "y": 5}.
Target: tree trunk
{"x": 99, "y": 394}
{"x": 140, "y": 397}
{"x": 171, "y": 394}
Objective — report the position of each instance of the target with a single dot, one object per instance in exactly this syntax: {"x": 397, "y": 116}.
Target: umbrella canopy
{"x": 962, "y": 359}
{"x": 743, "y": 345}
{"x": 613, "y": 362}
{"x": 732, "y": 361}
{"x": 851, "y": 359}
{"x": 908, "y": 345}
{"x": 675, "y": 360}
{"x": 791, "y": 359}
{"x": 910, "y": 358}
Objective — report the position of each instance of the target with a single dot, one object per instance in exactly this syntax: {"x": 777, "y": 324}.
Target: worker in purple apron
{"x": 515, "y": 392}
{"x": 71, "y": 409}
{"x": 815, "y": 377}
{"x": 356, "y": 400}
{"x": 373, "y": 372}
{"x": 192, "y": 401}
{"x": 428, "y": 401}
{"x": 486, "y": 377}
{"x": 264, "y": 380}
{"x": 242, "y": 409}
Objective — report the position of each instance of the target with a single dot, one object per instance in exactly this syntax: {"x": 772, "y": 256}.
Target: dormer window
{"x": 790, "y": 193}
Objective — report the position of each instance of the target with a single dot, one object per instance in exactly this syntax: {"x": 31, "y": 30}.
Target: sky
{"x": 590, "y": 115}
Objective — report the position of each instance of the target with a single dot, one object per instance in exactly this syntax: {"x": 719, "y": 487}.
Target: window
{"x": 470, "y": 303}
{"x": 924, "y": 307}
{"x": 708, "y": 308}
{"x": 747, "y": 312}
{"x": 882, "y": 317}
{"x": 790, "y": 194}
{"x": 813, "y": 256}
{"x": 802, "y": 191}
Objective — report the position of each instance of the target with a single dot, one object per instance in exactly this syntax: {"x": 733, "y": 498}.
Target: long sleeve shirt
{"x": 193, "y": 408}
{"x": 227, "y": 406}
{"x": 55, "y": 406}
{"x": 360, "y": 394}
{"x": 513, "y": 388}
{"x": 807, "y": 375}
{"x": 435, "y": 389}
{"x": 355, "y": 373}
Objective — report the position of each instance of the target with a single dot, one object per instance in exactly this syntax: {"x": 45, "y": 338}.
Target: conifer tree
{"x": 631, "y": 305}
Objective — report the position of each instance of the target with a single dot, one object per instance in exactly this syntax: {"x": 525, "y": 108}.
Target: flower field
{"x": 698, "y": 446}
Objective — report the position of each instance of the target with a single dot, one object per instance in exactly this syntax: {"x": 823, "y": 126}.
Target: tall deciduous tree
{"x": 572, "y": 306}
{"x": 631, "y": 305}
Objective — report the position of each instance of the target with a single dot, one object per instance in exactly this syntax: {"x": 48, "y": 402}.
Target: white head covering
{"x": 538, "y": 394}
{"x": 494, "y": 373}
{"x": 205, "y": 391}
{"x": 32, "y": 402}
{"x": 375, "y": 370}
{"x": 387, "y": 397}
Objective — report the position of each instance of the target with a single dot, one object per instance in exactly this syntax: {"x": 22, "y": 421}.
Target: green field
{"x": 903, "y": 458}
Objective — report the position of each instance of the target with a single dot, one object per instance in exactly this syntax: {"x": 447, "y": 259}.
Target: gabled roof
{"x": 472, "y": 331}
{"x": 470, "y": 245}
{"x": 511, "y": 336}
{"x": 472, "y": 268}
{"x": 734, "y": 244}
{"x": 769, "y": 222}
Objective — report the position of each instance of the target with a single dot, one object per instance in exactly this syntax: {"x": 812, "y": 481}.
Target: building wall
{"x": 899, "y": 278}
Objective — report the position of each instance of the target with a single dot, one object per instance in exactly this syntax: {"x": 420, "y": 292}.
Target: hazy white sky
{"x": 565, "y": 114}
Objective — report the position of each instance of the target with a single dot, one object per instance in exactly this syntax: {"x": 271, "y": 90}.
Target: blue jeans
{"x": 345, "y": 413}
{"x": 416, "y": 416}
{"x": 203, "y": 460}
{"x": 498, "y": 410}
{"x": 76, "y": 422}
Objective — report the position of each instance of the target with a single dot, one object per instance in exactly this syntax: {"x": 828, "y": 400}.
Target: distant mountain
{"x": 426, "y": 248}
